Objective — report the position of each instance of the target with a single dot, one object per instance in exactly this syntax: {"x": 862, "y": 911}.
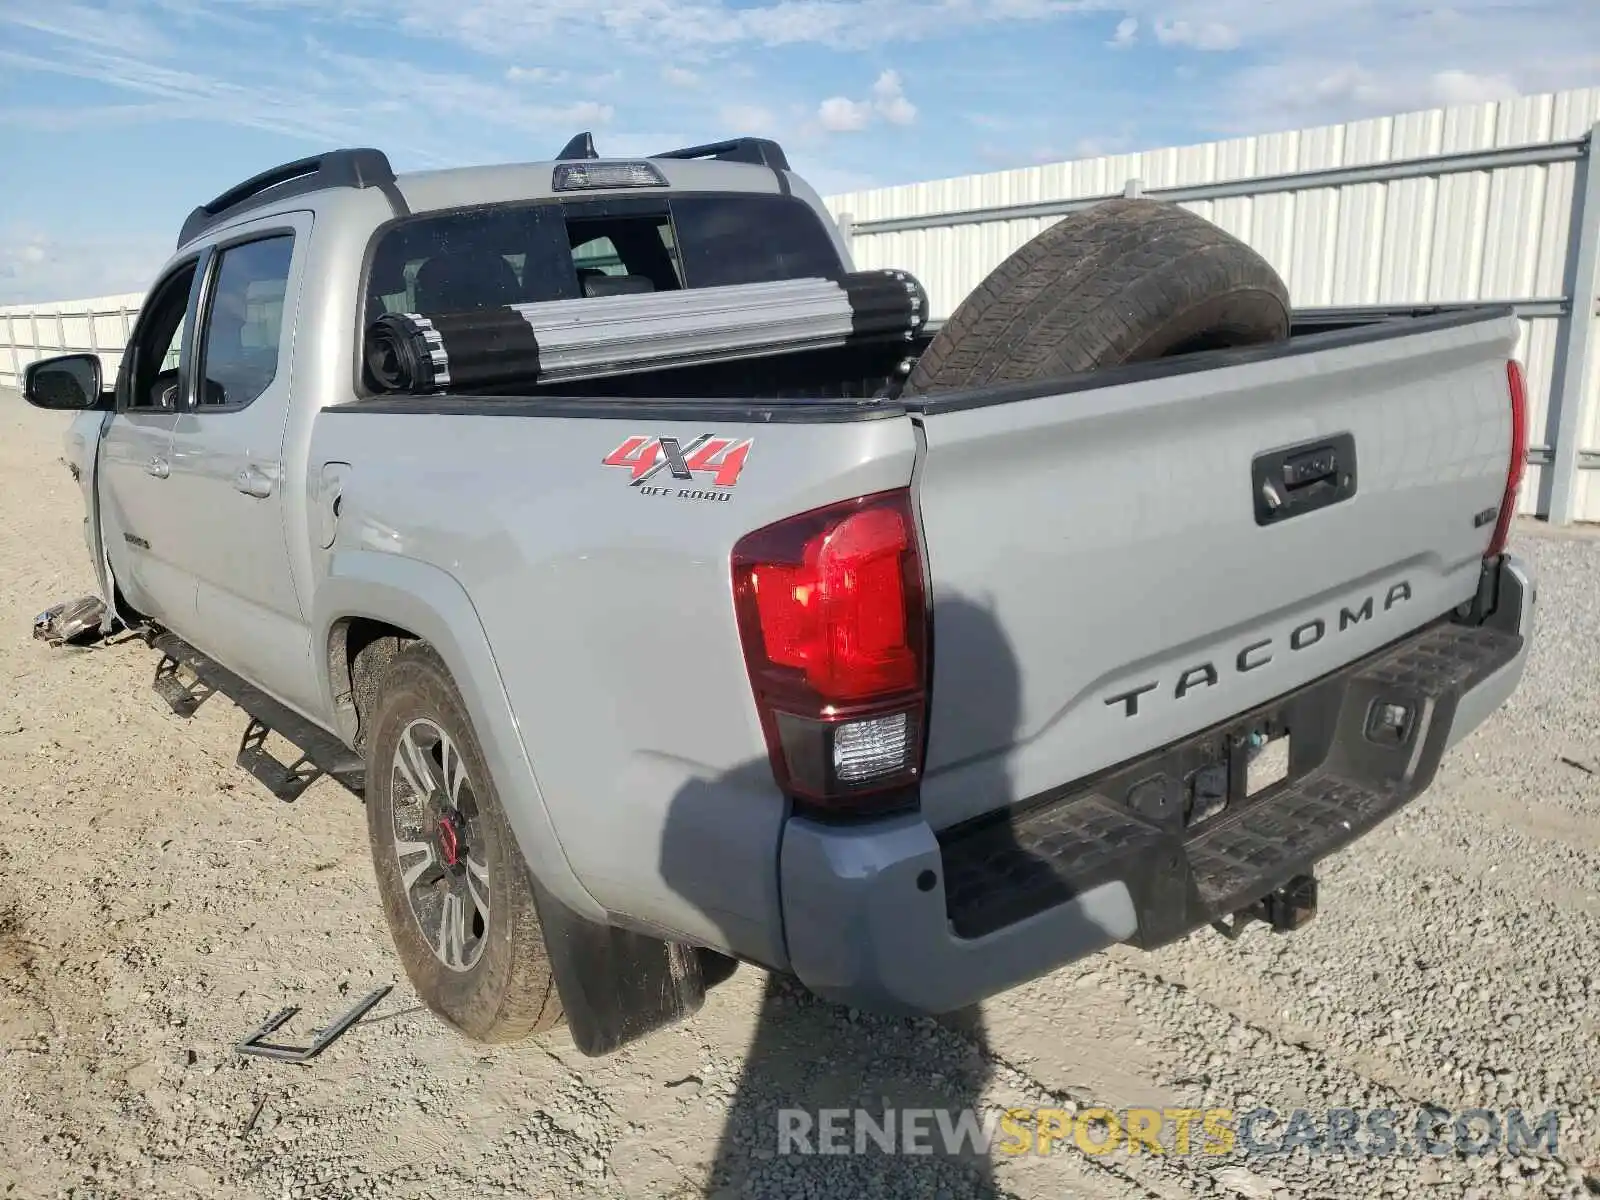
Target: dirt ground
{"x": 156, "y": 904}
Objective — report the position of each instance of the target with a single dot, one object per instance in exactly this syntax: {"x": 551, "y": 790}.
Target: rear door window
{"x": 244, "y": 322}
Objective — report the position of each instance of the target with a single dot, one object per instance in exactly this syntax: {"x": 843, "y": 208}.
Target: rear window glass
{"x": 554, "y": 250}
{"x": 751, "y": 239}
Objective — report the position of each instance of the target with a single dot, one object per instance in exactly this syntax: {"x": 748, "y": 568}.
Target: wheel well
{"x": 360, "y": 649}
{"x": 120, "y": 605}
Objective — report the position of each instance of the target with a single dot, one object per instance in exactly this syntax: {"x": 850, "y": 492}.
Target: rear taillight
{"x": 1519, "y": 457}
{"x": 834, "y": 625}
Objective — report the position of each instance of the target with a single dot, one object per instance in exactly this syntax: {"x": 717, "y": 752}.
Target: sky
{"x": 119, "y": 116}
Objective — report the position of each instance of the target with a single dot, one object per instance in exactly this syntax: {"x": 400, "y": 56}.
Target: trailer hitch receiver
{"x": 1286, "y": 909}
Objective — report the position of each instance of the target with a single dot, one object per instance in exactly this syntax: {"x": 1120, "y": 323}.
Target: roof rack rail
{"x": 358, "y": 168}
{"x": 581, "y": 146}
{"x": 760, "y": 151}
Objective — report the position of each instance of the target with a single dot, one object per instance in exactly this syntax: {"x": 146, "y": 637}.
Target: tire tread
{"x": 1120, "y": 282}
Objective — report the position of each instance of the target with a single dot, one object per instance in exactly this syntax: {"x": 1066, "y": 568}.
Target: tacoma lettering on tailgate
{"x": 1258, "y": 654}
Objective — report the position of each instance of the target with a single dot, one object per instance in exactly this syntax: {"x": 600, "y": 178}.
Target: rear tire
{"x": 454, "y": 887}
{"x": 1125, "y": 281}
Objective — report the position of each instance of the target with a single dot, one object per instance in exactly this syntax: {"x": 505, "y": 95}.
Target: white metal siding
{"x": 31, "y": 332}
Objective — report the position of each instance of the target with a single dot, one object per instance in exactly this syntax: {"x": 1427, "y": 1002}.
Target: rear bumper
{"x": 895, "y": 918}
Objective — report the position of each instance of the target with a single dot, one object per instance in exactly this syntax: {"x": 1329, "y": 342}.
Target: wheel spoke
{"x": 412, "y": 762}
{"x": 404, "y": 850}
{"x": 455, "y": 769}
{"x": 478, "y": 887}
{"x": 451, "y": 947}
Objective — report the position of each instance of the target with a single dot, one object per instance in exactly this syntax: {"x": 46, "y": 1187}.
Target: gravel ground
{"x": 156, "y": 904}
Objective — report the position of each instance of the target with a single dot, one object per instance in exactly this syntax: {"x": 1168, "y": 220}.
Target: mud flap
{"x": 615, "y": 985}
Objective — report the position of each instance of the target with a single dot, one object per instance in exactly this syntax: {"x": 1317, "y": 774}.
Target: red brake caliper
{"x": 449, "y": 843}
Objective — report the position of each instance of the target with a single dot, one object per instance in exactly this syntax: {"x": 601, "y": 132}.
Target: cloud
{"x": 317, "y": 95}
{"x": 1463, "y": 87}
{"x": 889, "y": 98}
{"x": 449, "y": 93}
{"x": 535, "y": 75}
{"x": 505, "y": 27}
{"x": 840, "y": 114}
{"x": 1206, "y": 35}
{"x": 47, "y": 118}
{"x": 747, "y": 119}
{"x": 276, "y": 108}
{"x": 1300, "y": 62}
{"x": 1331, "y": 61}
{"x": 988, "y": 121}
{"x": 35, "y": 267}
{"x": 1101, "y": 147}
{"x": 87, "y": 25}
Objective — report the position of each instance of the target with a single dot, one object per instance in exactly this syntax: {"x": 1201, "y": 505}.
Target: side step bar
{"x": 320, "y": 752}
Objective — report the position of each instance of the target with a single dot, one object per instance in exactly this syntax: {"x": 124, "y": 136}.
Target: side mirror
{"x": 67, "y": 381}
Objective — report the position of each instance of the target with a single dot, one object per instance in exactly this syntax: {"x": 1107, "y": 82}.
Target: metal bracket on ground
{"x": 255, "y": 1045}
{"x": 71, "y": 621}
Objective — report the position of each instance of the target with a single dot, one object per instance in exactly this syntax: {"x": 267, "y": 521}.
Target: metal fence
{"x": 1496, "y": 202}
{"x": 98, "y": 326}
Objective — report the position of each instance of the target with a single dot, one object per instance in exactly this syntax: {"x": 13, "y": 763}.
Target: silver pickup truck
{"x": 913, "y": 695}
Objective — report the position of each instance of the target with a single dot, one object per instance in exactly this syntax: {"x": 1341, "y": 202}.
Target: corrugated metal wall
{"x": 99, "y": 326}
{"x": 1497, "y": 232}
{"x": 1441, "y": 207}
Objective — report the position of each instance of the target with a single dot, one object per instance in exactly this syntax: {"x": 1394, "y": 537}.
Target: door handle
{"x": 254, "y": 481}
{"x": 159, "y": 467}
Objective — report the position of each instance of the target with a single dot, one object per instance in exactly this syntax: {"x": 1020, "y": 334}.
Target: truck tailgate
{"x": 1102, "y": 580}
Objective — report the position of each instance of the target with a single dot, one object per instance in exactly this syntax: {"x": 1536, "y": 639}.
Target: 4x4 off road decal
{"x": 707, "y": 459}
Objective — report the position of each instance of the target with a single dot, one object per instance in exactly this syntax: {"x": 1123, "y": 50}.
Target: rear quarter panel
{"x": 608, "y": 610}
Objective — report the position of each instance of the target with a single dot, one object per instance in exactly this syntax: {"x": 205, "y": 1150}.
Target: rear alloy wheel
{"x": 455, "y": 891}
{"x": 438, "y": 839}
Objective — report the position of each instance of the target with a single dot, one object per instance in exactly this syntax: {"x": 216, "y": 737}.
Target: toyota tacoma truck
{"x": 911, "y": 662}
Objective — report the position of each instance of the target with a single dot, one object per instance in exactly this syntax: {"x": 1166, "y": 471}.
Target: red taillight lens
{"x": 1519, "y": 457}
{"x": 833, "y": 619}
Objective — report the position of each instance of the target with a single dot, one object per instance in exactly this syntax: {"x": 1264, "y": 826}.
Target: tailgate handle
{"x": 1302, "y": 478}
{"x": 1311, "y": 467}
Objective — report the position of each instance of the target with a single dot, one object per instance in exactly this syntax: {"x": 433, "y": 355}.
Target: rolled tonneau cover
{"x": 617, "y": 334}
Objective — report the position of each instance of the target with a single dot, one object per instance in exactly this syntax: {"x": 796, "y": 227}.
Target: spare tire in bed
{"x": 1125, "y": 281}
